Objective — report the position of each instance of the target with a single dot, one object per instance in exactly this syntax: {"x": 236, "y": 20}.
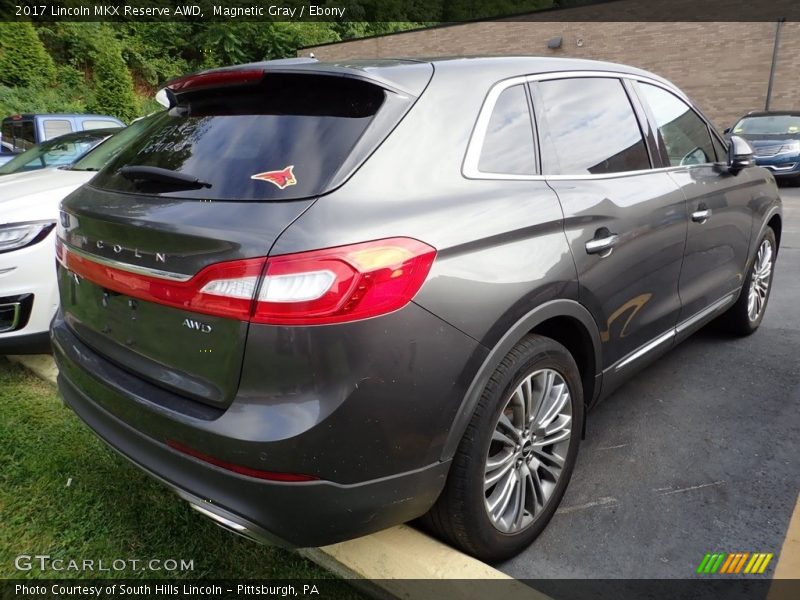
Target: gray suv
{"x": 318, "y": 300}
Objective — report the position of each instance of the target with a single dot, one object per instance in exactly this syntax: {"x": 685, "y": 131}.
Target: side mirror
{"x": 727, "y": 131}
{"x": 740, "y": 155}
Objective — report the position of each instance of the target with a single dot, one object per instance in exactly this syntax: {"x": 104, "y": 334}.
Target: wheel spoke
{"x": 538, "y": 491}
{"x": 558, "y": 431}
{"x": 509, "y": 428}
{"x": 527, "y": 392}
{"x": 519, "y": 511}
{"x": 552, "y": 406}
{"x": 500, "y": 499}
{"x": 548, "y": 458}
{"x": 500, "y": 468}
{"x": 499, "y": 436}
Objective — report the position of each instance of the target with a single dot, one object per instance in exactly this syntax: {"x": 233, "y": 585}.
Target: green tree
{"x": 113, "y": 84}
{"x": 24, "y": 61}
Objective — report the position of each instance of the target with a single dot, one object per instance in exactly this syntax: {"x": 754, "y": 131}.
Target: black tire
{"x": 460, "y": 515}
{"x": 737, "y": 320}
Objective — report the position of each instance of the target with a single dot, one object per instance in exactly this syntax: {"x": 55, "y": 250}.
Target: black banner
{"x": 732, "y": 588}
{"x": 416, "y": 11}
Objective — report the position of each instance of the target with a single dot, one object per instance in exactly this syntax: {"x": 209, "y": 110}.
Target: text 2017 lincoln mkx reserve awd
{"x": 318, "y": 300}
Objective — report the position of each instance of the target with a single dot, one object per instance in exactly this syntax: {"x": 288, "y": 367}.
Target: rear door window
{"x": 508, "y": 145}
{"x": 592, "y": 126}
{"x": 283, "y": 138}
{"x": 683, "y": 135}
{"x": 55, "y": 127}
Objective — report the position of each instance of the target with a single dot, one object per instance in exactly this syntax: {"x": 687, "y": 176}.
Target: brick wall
{"x": 724, "y": 66}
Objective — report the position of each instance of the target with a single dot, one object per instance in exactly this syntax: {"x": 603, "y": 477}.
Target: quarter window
{"x": 508, "y": 145}
{"x": 592, "y": 127}
{"x": 56, "y": 127}
{"x": 682, "y": 133}
{"x": 98, "y": 124}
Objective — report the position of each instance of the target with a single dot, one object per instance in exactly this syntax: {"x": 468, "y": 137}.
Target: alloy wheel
{"x": 759, "y": 281}
{"x": 528, "y": 450}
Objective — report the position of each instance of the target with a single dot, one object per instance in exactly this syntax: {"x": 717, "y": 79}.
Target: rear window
{"x": 281, "y": 139}
{"x": 20, "y": 134}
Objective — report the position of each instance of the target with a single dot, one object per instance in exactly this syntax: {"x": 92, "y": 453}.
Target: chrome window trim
{"x": 470, "y": 170}
{"x": 709, "y": 128}
{"x": 122, "y": 266}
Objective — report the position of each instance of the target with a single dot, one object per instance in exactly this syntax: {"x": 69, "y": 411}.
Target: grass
{"x": 109, "y": 510}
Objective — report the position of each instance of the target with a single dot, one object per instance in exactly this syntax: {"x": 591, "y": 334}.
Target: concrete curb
{"x": 397, "y": 562}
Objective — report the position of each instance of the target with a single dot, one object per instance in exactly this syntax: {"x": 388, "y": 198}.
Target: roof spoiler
{"x": 224, "y": 77}
{"x": 252, "y": 72}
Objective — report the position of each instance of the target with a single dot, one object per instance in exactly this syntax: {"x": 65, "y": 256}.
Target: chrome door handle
{"x": 602, "y": 246}
{"x": 701, "y": 216}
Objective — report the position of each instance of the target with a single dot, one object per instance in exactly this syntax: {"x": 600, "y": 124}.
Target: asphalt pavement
{"x": 698, "y": 453}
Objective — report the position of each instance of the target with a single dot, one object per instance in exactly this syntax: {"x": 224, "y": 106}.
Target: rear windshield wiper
{"x": 159, "y": 175}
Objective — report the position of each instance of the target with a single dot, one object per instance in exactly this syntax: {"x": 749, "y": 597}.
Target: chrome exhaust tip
{"x": 219, "y": 519}
{"x": 229, "y": 524}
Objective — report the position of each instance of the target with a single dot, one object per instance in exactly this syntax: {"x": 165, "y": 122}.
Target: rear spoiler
{"x": 406, "y": 83}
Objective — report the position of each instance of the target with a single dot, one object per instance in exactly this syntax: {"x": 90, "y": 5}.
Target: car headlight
{"x": 19, "y": 235}
{"x": 793, "y": 147}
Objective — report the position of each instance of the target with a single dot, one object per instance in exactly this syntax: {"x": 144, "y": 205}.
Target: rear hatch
{"x": 148, "y": 249}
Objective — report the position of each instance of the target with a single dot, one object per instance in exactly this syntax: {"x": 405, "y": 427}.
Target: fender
{"x": 775, "y": 209}
{"x": 540, "y": 314}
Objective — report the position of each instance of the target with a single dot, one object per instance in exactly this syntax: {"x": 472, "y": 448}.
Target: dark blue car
{"x": 775, "y": 137}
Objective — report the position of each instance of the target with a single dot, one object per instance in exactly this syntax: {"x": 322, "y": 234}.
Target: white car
{"x": 29, "y": 209}
{"x": 28, "y": 293}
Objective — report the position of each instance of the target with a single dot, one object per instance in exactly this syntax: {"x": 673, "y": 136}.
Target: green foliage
{"x": 15, "y": 100}
{"x": 115, "y": 68}
{"x": 23, "y": 58}
{"x": 113, "y": 84}
{"x": 65, "y": 494}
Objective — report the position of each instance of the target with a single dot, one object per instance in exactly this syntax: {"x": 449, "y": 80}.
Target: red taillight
{"x": 216, "y": 79}
{"x": 346, "y": 283}
{"x": 187, "y": 295}
{"x": 240, "y": 469}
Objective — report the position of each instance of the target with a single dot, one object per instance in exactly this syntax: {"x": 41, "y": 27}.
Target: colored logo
{"x": 745, "y": 563}
{"x": 283, "y": 178}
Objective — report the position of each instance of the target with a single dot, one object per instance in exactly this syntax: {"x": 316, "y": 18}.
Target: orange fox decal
{"x": 283, "y": 178}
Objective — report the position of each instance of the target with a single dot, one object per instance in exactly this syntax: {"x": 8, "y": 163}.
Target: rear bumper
{"x": 284, "y": 514}
{"x": 128, "y": 414}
